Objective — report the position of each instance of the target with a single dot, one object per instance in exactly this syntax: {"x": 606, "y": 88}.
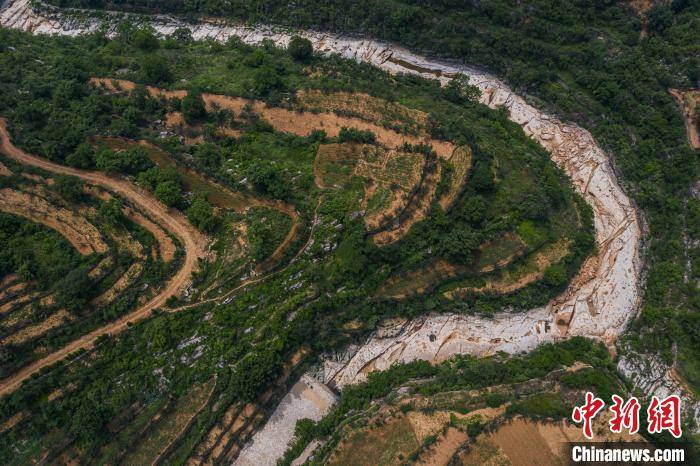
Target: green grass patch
{"x": 266, "y": 230}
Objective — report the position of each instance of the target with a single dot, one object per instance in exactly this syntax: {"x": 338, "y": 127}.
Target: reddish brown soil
{"x": 689, "y": 102}
{"x": 193, "y": 242}
{"x": 84, "y": 237}
{"x": 166, "y": 247}
{"x": 290, "y": 121}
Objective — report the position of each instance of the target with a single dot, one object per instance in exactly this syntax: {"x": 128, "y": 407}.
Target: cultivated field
{"x": 461, "y": 162}
{"x": 294, "y": 121}
{"x": 87, "y": 331}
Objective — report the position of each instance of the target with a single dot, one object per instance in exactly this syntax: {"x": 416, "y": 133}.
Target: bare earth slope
{"x": 193, "y": 243}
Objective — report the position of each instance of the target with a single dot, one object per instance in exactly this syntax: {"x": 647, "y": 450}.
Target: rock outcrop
{"x": 308, "y": 399}
{"x": 652, "y": 377}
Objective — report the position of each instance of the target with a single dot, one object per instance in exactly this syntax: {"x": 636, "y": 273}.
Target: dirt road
{"x": 193, "y": 242}
{"x": 688, "y": 101}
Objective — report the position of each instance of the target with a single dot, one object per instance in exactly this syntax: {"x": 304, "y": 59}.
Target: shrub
{"x": 82, "y": 157}
{"x": 193, "y": 107}
{"x": 300, "y": 49}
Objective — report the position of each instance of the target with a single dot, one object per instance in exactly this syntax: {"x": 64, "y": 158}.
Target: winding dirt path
{"x": 260, "y": 278}
{"x": 193, "y": 242}
{"x": 77, "y": 230}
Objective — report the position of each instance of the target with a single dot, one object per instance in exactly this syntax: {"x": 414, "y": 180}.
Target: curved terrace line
{"x": 600, "y": 300}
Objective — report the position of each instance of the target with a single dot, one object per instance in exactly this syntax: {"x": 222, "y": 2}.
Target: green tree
{"x": 459, "y": 244}
{"x": 209, "y": 155}
{"x": 356, "y": 135}
{"x": 353, "y": 253}
{"x": 154, "y": 175}
{"x": 481, "y": 175}
{"x": 112, "y": 211}
{"x": 460, "y": 91}
{"x": 201, "y": 214}
{"x": 130, "y": 161}
{"x": 73, "y": 290}
{"x": 69, "y": 187}
{"x": 266, "y": 79}
{"x": 265, "y": 179}
{"x": 256, "y": 58}
{"x": 155, "y": 70}
{"x": 89, "y": 420}
{"x": 253, "y": 372}
{"x": 169, "y": 193}
{"x": 555, "y": 275}
{"x": 193, "y": 107}
{"x": 300, "y": 49}
{"x": 34, "y": 252}
{"x": 82, "y": 157}
{"x": 105, "y": 160}
{"x": 659, "y": 18}
{"x": 182, "y": 35}
{"x": 145, "y": 39}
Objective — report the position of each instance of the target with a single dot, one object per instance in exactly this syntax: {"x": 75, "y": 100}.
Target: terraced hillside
{"x": 55, "y": 298}
{"x": 612, "y": 67}
{"x": 465, "y": 411}
{"x": 222, "y": 150}
{"x": 389, "y": 161}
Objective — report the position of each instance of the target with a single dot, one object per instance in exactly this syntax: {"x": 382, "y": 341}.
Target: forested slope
{"x": 132, "y": 109}
{"x": 602, "y": 64}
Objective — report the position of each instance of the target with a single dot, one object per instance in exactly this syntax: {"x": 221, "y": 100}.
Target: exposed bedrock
{"x": 654, "y": 377}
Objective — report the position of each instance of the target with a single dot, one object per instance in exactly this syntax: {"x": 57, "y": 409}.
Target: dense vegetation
{"x": 465, "y": 384}
{"x": 266, "y": 230}
{"x": 56, "y": 279}
{"x": 599, "y": 63}
{"x": 34, "y": 252}
{"x": 245, "y": 338}
{"x": 467, "y": 373}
